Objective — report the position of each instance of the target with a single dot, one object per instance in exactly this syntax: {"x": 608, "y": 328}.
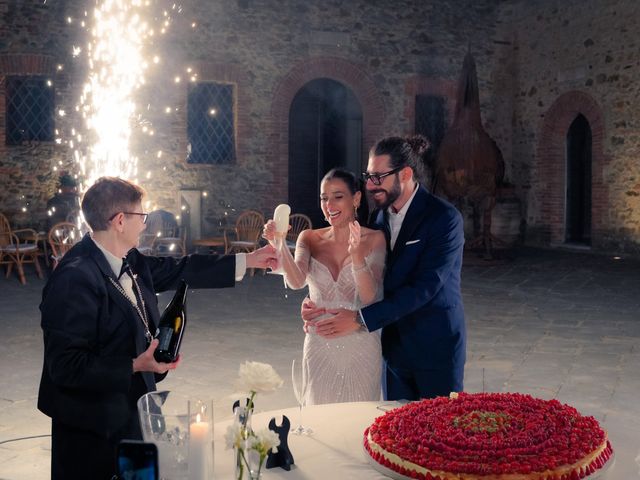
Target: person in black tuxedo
{"x": 421, "y": 315}
{"x": 99, "y": 315}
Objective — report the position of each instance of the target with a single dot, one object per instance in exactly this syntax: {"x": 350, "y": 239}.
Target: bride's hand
{"x": 355, "y": 237}
{"x": 269, "y": 231}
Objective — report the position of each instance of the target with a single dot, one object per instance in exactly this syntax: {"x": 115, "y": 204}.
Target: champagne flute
{"x": 300, "y": 391}
{"x": 281, "y": 219}
{"x": 278, "y": 242}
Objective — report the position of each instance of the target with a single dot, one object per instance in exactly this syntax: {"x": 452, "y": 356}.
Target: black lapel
{"x": 114, "y": 294}
{"x": 148, "y": 295}
{"x": 107, "y": 271}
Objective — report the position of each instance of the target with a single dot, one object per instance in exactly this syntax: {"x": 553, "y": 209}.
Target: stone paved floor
{"x": 549, "y": 323}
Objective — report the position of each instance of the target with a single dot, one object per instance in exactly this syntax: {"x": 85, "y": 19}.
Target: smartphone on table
{"x": 137, "y": 460}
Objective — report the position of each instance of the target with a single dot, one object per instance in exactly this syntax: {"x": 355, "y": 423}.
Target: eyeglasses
{"x": 144, "y": 215}
{"x": 376, "y": 178}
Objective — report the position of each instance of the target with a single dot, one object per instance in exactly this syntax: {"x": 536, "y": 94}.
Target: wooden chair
{"x": 14, "y": 251}
{"x": 299, "y": 222}
{"x": 62, "y": 236}
{"x": 245, "y": 237}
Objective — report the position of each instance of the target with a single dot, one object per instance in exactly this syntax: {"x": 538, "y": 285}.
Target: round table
{"x": 333, "y": 451}
{"x": 210, "y": 243}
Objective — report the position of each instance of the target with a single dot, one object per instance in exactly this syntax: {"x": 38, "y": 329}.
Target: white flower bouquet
{"x": 254, "y": 378}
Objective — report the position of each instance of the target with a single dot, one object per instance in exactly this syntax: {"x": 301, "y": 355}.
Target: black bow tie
{"x": 126, "y": 268}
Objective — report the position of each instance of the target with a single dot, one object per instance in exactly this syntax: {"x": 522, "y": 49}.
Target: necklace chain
{"x": 142, "y": 313}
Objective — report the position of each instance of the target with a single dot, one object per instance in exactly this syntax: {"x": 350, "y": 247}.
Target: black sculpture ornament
{"x": 236, "y": 404}
{"x": 283, "y": 457}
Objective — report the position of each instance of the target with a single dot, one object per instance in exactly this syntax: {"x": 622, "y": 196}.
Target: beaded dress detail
{"x": 348, "y": 368}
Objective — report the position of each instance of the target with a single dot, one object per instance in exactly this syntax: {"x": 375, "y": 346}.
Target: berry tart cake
{"x": 488, "y": 436}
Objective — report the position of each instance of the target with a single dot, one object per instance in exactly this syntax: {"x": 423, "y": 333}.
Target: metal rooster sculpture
{"x": 469, "y": 165}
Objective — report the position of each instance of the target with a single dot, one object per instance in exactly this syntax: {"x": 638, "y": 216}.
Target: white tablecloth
{"x": 334, "y": 451}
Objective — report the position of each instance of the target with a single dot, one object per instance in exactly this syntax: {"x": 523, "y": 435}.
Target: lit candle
{"x": 200, "y": 450}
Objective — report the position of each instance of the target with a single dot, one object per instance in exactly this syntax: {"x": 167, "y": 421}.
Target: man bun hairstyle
{"x": 419, "y": 145}
{"x": 407, "y": 151}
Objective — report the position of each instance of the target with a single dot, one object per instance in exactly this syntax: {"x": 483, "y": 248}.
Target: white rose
{"x": 233, "y": 436}
{"x": 258, "y": 377}
{"x": 266, "y": 440}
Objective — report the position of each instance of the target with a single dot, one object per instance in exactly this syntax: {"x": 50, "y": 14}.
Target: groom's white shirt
{"x": 396, "y": 219}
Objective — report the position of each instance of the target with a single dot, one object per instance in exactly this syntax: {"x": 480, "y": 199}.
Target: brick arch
{"x": 27, "y": 64}
{"x": 349, "y": 74}
{"x": 551, "y": 163}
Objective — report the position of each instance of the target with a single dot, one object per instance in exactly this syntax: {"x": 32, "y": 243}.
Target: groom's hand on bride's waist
{"x": 343, "y": 322}
{"x": 309, "y": 313}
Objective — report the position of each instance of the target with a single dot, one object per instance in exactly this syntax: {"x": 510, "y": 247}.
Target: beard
{"x": 389, "y": 197}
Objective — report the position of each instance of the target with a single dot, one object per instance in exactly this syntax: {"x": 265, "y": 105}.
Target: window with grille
{"x": 30, "y": 110}
{"x": 210, "y": 123}
{"x": 431, "y": 121}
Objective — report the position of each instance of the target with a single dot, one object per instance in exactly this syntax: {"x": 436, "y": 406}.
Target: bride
{"x": 343, "y": 265}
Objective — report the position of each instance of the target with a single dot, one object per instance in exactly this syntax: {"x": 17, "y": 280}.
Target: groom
{"x": 421, "y": 315}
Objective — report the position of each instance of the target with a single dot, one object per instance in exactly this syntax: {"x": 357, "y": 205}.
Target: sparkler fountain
{"x": 112, "y": 121}
{"x": 116, "y": 65}
{"x": 120, "y": 35}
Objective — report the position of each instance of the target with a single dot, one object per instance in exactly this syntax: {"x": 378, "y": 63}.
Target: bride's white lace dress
{"x": 348, "y": 368}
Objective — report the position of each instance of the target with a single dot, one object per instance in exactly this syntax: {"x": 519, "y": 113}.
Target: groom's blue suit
{"x": 421, "y": 315}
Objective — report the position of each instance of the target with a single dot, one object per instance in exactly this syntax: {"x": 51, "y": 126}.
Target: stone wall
{"x": 539, "y": 64}
{"x": 34, "y": 40}
{"x": 269, "y": 49}
{"x": 577, "y": 57}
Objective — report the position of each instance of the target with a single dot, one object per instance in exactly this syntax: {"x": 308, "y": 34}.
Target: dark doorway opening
{"x": 578, "y": 200}
{"x": 325, "y": 131}
{"x": 431, "y": 121}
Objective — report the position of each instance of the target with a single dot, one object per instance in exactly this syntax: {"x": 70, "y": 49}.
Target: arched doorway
{"x": 550, "y": 183}
{"x": 578, "y": 182}
{"x": 325, "y": 131}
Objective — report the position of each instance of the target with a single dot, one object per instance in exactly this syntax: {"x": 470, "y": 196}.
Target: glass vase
{"x": 245, "y": 462}
{"x": 164, "y": 419}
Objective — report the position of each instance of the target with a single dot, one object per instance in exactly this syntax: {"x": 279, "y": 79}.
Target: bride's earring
{"x": 355, "y": 211}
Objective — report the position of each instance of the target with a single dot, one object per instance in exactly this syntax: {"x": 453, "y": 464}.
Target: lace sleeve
{"x": 375, "y": 266}
{"x": 301, "y": 260}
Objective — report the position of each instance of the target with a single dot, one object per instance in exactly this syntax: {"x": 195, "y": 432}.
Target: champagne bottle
{"x": 171, "y": 327}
